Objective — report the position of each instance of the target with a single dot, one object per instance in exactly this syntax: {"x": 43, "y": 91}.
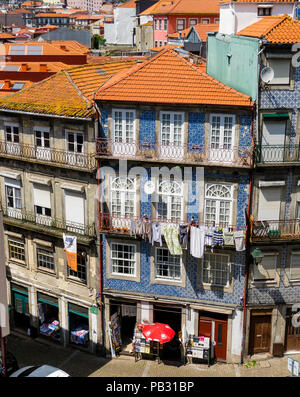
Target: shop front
{"x": 48, "y": 313}
{"x": 78, "y": 325}
{"x": 19, "y": 300}
{"x": 171, "y": 316}
{"x": 122, "y": 322}
{"x": 292, "y": 333}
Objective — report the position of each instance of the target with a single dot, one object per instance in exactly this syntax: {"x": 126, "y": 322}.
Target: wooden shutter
{"x": 269, "y": 203}
{"x": 266, "y": 270}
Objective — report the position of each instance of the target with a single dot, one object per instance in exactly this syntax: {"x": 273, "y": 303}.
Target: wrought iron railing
{"x": 47, "y": 155}
{"x": 122, "y": 224}
{"x": 276, "y": 154}
{"x": 46, "y": 222}
{"x": 270, "y": 230}
{"x": 241, "y": 156}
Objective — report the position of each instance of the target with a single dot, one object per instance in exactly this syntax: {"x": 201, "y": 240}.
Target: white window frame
{"x": 168, "y": 200}
{"x": 48, "y": 252}
{"x": 184, "y": 22}
{"x": 7, "y": 184}
{"x": 165, "y": 24}
{"x": 222, "y": 117}
{"x": 218, "y": 200}
{"x": 207, "y": 21}
{"x": 12, "y": 126}
{"x": 171, "y": 140}
{"x": 263, "y": 8}
{"x": 217, "y": 20}
{"x": 193, "y": 19}
{"x": 166, "y": 278}
{"x": 75, "y": 133}
{"x": 123, "y": 195}
{"x": 134, "y": 274}
{"x": 214, "y": 270}
{"x": 42, "y": 130}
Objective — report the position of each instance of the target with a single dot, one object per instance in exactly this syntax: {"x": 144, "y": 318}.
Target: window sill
{"x": 165, "y": 281}
{"x": 16, "y": 262}
{"x": 264, "y": 283}
{"x": 46, "y": 271}
{"x": 76, "y": 280}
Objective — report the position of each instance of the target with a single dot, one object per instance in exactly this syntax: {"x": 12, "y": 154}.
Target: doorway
{"x": 214, "y": 326}
{"x": 126, "y": 313}
{"x": 171, "y": 316}
{"x": 292, "y": 334}
{"x": 260, "y": 333}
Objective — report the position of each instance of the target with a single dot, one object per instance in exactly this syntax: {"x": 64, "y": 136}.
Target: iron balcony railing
{"x": 276, "y": 154}
{"x": 47, "y": 155}
{"x": 122, "y": 224}
{"x": 240, "y": 156}
{"x": 46, "y": 222}
{"x": 272, "y": 230}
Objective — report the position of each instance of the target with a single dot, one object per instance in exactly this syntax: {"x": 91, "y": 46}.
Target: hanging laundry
{"x": 217, "y": 236}
{"x": 156, "y": 233}
{"x": 208, "y": 237}
{"x": 239, "y": 239}
{"x": 133, "y": 227}
{"x": 197, "y": 242}
{"x": 170, "y": 233}
{"x": 183, "y": 233}
{"x": 148, "y": 231}
{"x": 140, "y": 228}
{"x": 228, "y": 238}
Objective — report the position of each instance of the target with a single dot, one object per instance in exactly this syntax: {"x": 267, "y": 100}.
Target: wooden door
{"x": 216, "y": 330}
{"x": 260, "y": 334}
{"x": 292, "y": 334}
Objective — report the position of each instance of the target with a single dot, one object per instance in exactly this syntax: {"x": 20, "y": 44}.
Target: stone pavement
{"x": 82, "y": 364}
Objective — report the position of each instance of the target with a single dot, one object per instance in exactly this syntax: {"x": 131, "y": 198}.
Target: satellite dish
{"x": 267, "y": 74}
{"x": 149, "y": 187}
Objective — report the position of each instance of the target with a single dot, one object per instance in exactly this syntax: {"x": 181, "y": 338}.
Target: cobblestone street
{"x": 81, "y": 364}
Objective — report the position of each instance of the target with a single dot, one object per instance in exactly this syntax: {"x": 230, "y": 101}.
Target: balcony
{"x": 279, "y": 154}
{"x": 49, "y": 156}
{"x": 116, "y": 224}
{"x": 238, "y": 156}
{"x": 276, "y": 230}
{"x": 45, "y": 224}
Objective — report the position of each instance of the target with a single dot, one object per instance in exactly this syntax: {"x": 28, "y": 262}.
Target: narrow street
{"x": 80, "y": 364}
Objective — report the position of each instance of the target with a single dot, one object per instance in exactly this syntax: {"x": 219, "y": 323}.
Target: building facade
{"x": 144, "y": 281}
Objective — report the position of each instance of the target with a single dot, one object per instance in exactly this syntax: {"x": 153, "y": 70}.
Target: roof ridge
{"x": 77, "y": 89}
{"x": 281, "y": 18}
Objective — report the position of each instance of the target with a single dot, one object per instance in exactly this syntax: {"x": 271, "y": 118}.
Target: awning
{"x": 275, "y": 115}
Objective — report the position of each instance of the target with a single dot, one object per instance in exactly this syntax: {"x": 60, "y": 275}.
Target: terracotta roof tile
{"x": 275, "y": 29}
{"x": 68, "y": 93}
{"x": 183, "y": 7}
{"x": 169, "y": 78}
{"x": 259, "y": 1}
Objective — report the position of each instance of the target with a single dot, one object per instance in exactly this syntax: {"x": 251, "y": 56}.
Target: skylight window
{"x": 17, "y": 50}
{"x": 34, "y": 50}
{"x": 11, "y": 68}
{"x": 17, "y": 86}
{"x": 101, "y": 71}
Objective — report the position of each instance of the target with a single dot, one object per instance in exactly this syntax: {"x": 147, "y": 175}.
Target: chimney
{"x": 7, "y": 85}
{"x": 63, "y": 47}
{"x": 24, "y": 67}
{"x": 43, "y": 68}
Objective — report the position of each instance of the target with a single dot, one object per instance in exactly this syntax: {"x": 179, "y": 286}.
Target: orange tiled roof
{"x": 276, "y": 29}
{"x": 7, "y": 36}
{"x": 53, "y": 48}
{"x": 258, "y": 1}
{"x": 52, "y": 67}
{"x": 128, "y": 4}
{"x": 68, "y": 93}
{"x": 183, "y": 7}
{"x": 168, "y": 78}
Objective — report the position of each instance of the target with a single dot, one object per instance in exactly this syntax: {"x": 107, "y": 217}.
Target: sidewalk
{"x": 77, "y": 363}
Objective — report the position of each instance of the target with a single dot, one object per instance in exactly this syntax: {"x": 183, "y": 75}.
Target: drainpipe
{"x": 98, "y": 233}
{"x": 247, "y": 252}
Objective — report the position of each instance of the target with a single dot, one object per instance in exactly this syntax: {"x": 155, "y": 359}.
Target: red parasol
{"x": 159, "y": 332}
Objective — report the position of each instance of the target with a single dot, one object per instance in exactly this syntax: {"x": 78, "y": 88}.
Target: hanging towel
{"x": 148, "y": 231}
{"x": 140, "y": 228}
{"x": 228, "y": 238}
{"x": 197, "y": 242}
{"x": 183, "y": 232}
{"x": 239, "y": 239}
{"x": 132, "y": 228}
{"x": 175, "y": 240}
{"x": 218, "y": 237}
{"x": 208, "y": 237}
{"x": 156, "y": 233}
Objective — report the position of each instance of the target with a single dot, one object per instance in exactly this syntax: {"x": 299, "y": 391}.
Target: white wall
{"x": 237, "y": 16}
{"x": 236, "y": 338}
{"x": 125, "y": 20}
{"x": 110, "y": 33}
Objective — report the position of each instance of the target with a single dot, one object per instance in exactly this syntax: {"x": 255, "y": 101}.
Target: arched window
{"x": 123, "y": 197}
{"x": 218, "y": 204}
{"x": 170, "y": 201}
